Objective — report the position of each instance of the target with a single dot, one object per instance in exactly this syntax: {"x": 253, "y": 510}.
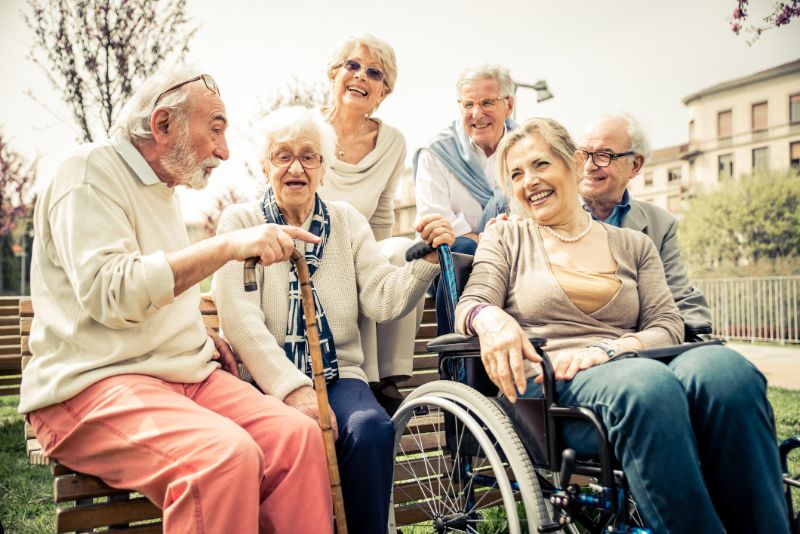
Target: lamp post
{"x": 542, "y": 92}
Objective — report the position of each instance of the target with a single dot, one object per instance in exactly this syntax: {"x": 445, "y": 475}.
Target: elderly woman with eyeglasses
{"x": 370, "y": 157}
{"x": 350, "y": 277}
{"x": 694, "y": 436}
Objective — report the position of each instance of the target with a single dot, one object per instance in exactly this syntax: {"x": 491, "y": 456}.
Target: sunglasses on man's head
{"x": 372, "y": 73}
{"x": 211, "y": 85}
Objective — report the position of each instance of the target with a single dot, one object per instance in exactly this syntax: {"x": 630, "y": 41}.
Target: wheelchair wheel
{"x": 459, "y": 480}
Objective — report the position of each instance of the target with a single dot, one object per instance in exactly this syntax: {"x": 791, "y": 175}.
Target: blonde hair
{"x": 377, "y": 47}
{"x": 551, "y": 132}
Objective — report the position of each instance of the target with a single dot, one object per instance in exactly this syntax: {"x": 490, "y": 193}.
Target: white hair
{"x": 487, "y": 71}
{"x": 639, "y": 142}
{"x": 133, "y": 121}
{"x": 379, "y": 48}
{"x": 288, "y": 123}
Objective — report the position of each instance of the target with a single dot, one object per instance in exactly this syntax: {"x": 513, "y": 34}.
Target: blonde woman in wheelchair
{"x": 694, "y": 437}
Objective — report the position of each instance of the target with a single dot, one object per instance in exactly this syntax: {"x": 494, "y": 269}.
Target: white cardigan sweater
{"x": 353, "y": 277}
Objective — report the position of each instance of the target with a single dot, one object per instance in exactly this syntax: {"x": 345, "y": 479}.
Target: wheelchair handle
{"x": 418, "y": 250}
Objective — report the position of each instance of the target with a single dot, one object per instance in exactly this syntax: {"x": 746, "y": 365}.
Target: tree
{"x": 16, "y": 179}
{"x": 295, "y": 93}
{"x": 211, "y": 216}
{"x": 745, "y": 222}
{"x": 95, "y": 52}
{"x": 782, "y": 14}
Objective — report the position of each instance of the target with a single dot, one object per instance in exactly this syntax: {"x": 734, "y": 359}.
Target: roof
{"x": 764, "y": 75}
{"x": 670, "y": 153}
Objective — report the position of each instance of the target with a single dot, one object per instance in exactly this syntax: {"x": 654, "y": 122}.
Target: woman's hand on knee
{"x": 504, "y": 348}
{"x": 304, "y": 399}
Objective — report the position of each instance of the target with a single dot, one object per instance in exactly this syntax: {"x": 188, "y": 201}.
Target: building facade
{"x": 735, "y": 128}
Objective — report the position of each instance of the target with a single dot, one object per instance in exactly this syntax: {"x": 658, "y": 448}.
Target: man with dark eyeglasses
{"x": 125, "y": 382}
{"x": 614, "y": 149}
{"x": 455, "y": 174}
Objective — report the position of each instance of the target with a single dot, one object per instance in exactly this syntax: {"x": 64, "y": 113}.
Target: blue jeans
{"x": 463, "y": 245}
{"x": 365, "y": 450}
{"x": 694, "y": 438}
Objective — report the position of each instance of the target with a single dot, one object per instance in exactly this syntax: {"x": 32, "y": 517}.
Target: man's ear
{"x": 638, "y": 163}
{"x": 160, "y": 125}
{"x": 510, "y": 106}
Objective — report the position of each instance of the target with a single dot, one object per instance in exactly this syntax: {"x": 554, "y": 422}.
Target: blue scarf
{"x": 295, "y": 343}
{"x": 453, "y": 147}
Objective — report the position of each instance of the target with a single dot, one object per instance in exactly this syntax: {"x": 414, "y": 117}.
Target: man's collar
{"x": 135, "y": 160}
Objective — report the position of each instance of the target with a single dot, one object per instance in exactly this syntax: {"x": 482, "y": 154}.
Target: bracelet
{"x": 609, "y": 347}
{"x": 471, "y": 317}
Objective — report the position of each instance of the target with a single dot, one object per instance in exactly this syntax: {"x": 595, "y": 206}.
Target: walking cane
{"x": 319, "y": 375}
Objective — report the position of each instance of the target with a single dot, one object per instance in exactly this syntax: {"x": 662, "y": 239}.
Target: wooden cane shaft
{"x": 318, "y": 370}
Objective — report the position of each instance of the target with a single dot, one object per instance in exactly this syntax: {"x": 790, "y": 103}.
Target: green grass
{"x": 27, "y": 507}
{"x": 27, "y": 504}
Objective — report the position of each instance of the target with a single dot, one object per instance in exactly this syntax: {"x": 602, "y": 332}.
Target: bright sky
{"x": 597, "y": 56}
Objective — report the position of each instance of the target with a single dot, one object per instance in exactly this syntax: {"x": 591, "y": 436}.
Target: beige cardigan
{"x": 511, "y": 270}
{"x": 353, "y": 279}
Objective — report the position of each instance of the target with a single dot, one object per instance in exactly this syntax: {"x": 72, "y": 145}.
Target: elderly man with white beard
{"x": 125, "y": 383}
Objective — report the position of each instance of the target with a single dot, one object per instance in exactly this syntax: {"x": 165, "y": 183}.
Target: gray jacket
{"x": 661, "y": 226}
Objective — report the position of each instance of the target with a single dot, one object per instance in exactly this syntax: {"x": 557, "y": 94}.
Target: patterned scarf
{"x": 296, "y": 342}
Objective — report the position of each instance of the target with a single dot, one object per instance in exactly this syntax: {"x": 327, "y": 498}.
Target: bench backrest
{"x": 87, "y": 502}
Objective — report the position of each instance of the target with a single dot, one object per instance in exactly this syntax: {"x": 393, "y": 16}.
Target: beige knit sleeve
{"x": 660, "y": 322}
{"x": 382, "y": 219}
{"x": 489, "y": 281}
{"x": 242, "y": 318}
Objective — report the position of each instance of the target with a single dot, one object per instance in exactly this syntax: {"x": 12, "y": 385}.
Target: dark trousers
{"x": 463, "y": 245}
{"x": 365, "y": 450}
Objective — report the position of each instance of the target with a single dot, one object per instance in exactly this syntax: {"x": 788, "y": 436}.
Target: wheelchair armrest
{"x": 694, "y": 333}
{"x": 667, "y": 353}
{"x": 460, "y": 342}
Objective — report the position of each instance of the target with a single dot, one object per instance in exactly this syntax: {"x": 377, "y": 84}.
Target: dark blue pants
{"x": 365, "y": 450}
{"x": 694, "y": 438}
{"x": 463, "y": 245}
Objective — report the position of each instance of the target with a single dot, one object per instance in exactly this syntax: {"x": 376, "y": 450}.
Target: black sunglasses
{"x": 211, "y": 85}
{"x": 372, "y": 73}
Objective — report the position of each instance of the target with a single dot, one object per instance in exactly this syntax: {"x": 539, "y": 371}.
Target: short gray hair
{"x": 487, "y": 71}
{"x": 639, "y": 141}
{"x": 377, "y": 47}
{"x": 289, "y": 123}
{"x": 133, "y": 121}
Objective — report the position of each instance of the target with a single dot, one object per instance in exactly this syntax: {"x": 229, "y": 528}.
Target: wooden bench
{"x": 86, "y": 503}
{"x": 9, "y": 346}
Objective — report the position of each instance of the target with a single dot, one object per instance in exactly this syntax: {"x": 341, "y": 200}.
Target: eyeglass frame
{"x": 612, "y": 156}
{"x": 353, "y": 62}
{"x": 208, "y": 80}
{"x": 295, "y": 157}
{"x": 479, "y": 103}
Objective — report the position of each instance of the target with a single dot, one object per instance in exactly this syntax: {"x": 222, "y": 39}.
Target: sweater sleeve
{"x": 382, "y": 220}
{"x": 489, "y": 281}
{"x": 242, "y": 319}
{"x": 660, "y": 322}
{"x": 114, "y": 282}
{"x": 385, "y": 291}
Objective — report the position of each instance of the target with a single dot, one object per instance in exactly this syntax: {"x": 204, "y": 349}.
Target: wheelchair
{"x": 470, "y": 453}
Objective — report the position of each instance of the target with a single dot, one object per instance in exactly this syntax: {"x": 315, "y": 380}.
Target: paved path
{"x": 780, "y": 364}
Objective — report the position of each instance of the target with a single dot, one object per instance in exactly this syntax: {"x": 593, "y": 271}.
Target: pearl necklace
{"x": 569, "y": 239}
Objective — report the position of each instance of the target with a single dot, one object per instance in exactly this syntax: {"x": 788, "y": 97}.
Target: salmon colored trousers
{"x": 217, "y": 456}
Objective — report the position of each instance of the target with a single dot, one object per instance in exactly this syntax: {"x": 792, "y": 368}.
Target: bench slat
{"x": 72, "y": 487}
{"x": 102, "y": 514}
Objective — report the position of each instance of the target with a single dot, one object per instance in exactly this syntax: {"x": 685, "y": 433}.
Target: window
{"x": 674, "y": 175}
{"x": 691, "y": 130}
{"x": 794, "y": 109}
{"x": 760, "y": 159}
{"x": 648, "y": 179}
{"x": 794, "y": 155}
{"x": 759, "y": 121}
{"x": 725, "y": 167}
{"x": 725, "y": 126}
